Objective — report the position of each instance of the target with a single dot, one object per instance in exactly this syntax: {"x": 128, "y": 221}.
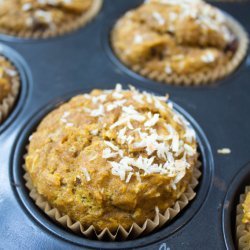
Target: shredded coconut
{"x": 168, "y": 69}
{"x": 111, "y": 145}
{"x": 94, "y": 132}
{"x": 142, "y": 143}
{"x": 129, "y": 177}
{"x": 98, "y": 112}
{"x": 208, "y": 57}
{"x": 158, "y": 18}
{"x": 86, "y": 173}
{"x": 107, "y": 153}
{"x": 138, "y": 39}
{"x": 26, "y": 6}
{"x": 152, "y": 121}
{"x": 69, "y": 124}
{"x": 44, "y": 15}
{"x": 10, "y": 72}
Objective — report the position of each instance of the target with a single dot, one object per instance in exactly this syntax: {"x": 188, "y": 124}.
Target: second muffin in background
{"x": 45, "y": 18}
{"x": 179, "y": 42}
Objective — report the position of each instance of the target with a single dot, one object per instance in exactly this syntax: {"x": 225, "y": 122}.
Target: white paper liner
{"x": 8, "y": 102}
{"x": 242, "y": 230}
{"x": 202, "y": 78}
{"x": 65, "y": 27}
{"x": 121, "y": 234}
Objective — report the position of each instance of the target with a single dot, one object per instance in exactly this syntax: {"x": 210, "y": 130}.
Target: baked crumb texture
{"x": 179, "y": 42}
{"x": 9, "y": 87}
{"x": 243, "y": 221}
{"x": 45, "y": 18}
{"x": 117, "y": 162}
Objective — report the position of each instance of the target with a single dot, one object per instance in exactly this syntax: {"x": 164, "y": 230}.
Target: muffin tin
{"x": 53, "y": 70}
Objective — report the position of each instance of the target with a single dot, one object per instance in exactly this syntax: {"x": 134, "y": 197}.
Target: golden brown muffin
{"x": 8, "y": 87}
{"x": 20, "y": 17}
{"x": 246, "y": 209}
{"x": 5, "y": 84}
{"x": 164, "y": 38}
{"x": 243, "y": 221}
{"x": 112, "y": 158}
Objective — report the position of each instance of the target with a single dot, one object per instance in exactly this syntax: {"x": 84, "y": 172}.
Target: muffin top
{"x": 32, "y": 15}
{"x": 112, "y": 157}
{"x": 7, "y": 72}
{"x": 174, "y": 37}
{"x": 246, "y": 209}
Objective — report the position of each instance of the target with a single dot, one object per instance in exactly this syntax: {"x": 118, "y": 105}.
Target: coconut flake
{"x": 138, "y": 39}
{"x": 45, "y": 15}
{"x": 158, "y": 104}
{"x": 111, "y": 145}
{"x": 97, "y": 112}
{"x": 64, "y": 116}
{"x": 10, "y": 72}
{"x": 26, "y": 6}
{"x": 69, "y": 124}
{"x": 208, "y": 57}
{"x": 157, "y": 16}
{"x": 151, "y": 122}
{"x": 87, "y": 110}
{"x": 190, "y": 134}
{"x": 121, "y": 135}
{"x": 117, "y": 95}
{"x": 116, "y": 104}
{"x": 138, "y": 98}
{"x": 86, "y": 173}
{"x": 129, "y": 177}
{"x": 189, "y": 150}
{"x": 107, "y": 153}
{"x": 168, "y": 70}
{"x": 63, "y": 120}
{"x": 118, "y": 87}
{"x": 99, "y": 98}
{"x": 175, "y": 143}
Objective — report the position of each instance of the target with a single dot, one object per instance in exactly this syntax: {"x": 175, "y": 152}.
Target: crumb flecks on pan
{"x": 224, "y": 151}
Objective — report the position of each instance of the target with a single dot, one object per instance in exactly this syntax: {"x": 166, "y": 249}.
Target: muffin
{"x": 9, "y": 87}
{"x": 44, "y": 18}
{"x": 179, "y": 42}
{"x": 243, "y": 221}
{"x": 113, "y": 159}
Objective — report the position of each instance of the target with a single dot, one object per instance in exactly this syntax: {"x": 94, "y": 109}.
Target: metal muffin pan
{"x": 56, "y": 69}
